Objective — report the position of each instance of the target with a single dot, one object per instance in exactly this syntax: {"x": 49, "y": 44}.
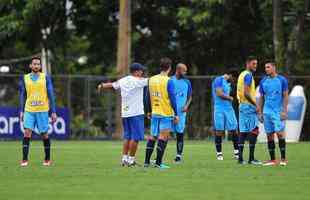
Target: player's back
{"x": 158, "y": 89}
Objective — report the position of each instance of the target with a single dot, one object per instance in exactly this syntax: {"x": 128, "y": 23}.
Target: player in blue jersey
{"x": 273, "y": 103}
{"x": 224, "y": 115}
{"x": 183, "y": 94}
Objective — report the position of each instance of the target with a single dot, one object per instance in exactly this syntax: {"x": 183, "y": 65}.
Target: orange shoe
{"x": 24, "y": 163}
{"x": 270, "y": 163}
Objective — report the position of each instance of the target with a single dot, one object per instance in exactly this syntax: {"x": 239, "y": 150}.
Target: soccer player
{"x": 131, "y": 87}
{"x": 183, "y": 93}
{"x": 273, "y": 103}
{"x": 36, "y": 100}
{"x": 224, "y": 113}
{"x": 164, "y": 110}
{"x": 248, "y": 119}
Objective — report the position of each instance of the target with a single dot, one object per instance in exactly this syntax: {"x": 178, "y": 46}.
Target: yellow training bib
{"x": 160, "y": 101}
{"x": 37, "y": 98}
{"x": 240, "y": 88}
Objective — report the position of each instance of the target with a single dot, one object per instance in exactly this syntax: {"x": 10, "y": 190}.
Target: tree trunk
{"x": 294, "y": 48}
{"x": 278, "y": 34}
{"x": 123, "y": 53}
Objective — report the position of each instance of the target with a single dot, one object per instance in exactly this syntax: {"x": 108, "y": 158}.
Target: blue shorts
{"x": 133, "y": 128}
{"x": 179, "y": 127}
{"x": 36, "y": 121}
{"x": 159, "y": 124}
{"x": 248, "y": 120}
{"x": 225, "y": 119}
{"x": 273, "y": 123}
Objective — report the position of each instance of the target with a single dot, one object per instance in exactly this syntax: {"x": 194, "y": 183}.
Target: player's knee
{"x": 45, "y": 136}
{"x": 219, "y": 133}
{"x": 255, "y": 131}
{"x": 270, "y": 137}
{"x": 27, "y": 133}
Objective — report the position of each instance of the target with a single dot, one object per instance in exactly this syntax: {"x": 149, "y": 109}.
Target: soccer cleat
{"x": 283, "y": 162}
{"x": 146, "y": 165}
{"x": 219, "y": 156}
{"x": 270, "y": 163}
{"x": 236, "y": 154}
{"x": 124, "y": 163}
{"x": 47, "y": 163}
{"x": 242, "y": 162}
{"x": 178, "y": 159}
{"x": 255, "y": 162}
{"x": 24, "y": 163}
{"x": 162, "y": 166}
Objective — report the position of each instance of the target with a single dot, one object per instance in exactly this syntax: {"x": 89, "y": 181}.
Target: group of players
{"x": 270, "y": 108}
{"x": 166, "y": 101}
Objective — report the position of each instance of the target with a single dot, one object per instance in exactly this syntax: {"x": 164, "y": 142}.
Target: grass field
{"x": 91, "y": 170}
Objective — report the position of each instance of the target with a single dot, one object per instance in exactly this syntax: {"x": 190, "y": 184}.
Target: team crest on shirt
{"x": 126, "y": 108}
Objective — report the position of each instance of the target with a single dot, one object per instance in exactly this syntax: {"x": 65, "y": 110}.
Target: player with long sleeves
{"x": 36, "y": 100}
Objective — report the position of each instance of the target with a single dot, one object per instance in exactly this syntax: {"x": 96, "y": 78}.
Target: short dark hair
{"x": 269, "y": 61}
{"x": 234, "y": 72}
{"x": 250, "y": 58}
{"x": 165, "y": 64}
{"x": 35, "y": 58}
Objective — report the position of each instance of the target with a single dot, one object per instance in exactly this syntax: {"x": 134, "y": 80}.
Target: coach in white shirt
{"x": 131, "y": 87}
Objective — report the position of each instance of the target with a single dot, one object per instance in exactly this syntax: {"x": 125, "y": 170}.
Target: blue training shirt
{"x": 23, "y": 92}
{"x": 183, "y": 90}
{"x": 221, "y": 83}
{"x": 272, "y": 89}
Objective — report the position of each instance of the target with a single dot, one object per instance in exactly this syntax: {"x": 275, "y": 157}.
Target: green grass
{"x": 91, "y": 170}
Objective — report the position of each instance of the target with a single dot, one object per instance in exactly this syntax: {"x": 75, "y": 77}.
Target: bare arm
{"x": 260, "y": 104}
{"x": 103, "y": 86}
{"x": 247, "y": 95}
{"x": 285, "y": 103}
{"x": 220, "y": 93}
{"x": 187, "y": 104}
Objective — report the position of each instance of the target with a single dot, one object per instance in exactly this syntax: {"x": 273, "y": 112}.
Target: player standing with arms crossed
{"x": 273, "y": 103}
{"x": 248, "y": 120}
{"x": 183, "y": 95}
{"x": 132, "y": 88}
{"x": 36, "y": 100}
{"x": 224, "y": 113}
{"x": 164, "y": 110}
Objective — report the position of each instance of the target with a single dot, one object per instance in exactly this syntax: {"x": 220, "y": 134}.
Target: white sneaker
{"x": 47, "y": 163}
{"x": 219, "y": 156}
{"x": 236, "y": 154}
{"x": 24, "y": 163}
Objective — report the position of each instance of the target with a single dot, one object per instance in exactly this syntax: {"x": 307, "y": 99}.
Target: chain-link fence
{"x": 93, "y": 115}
